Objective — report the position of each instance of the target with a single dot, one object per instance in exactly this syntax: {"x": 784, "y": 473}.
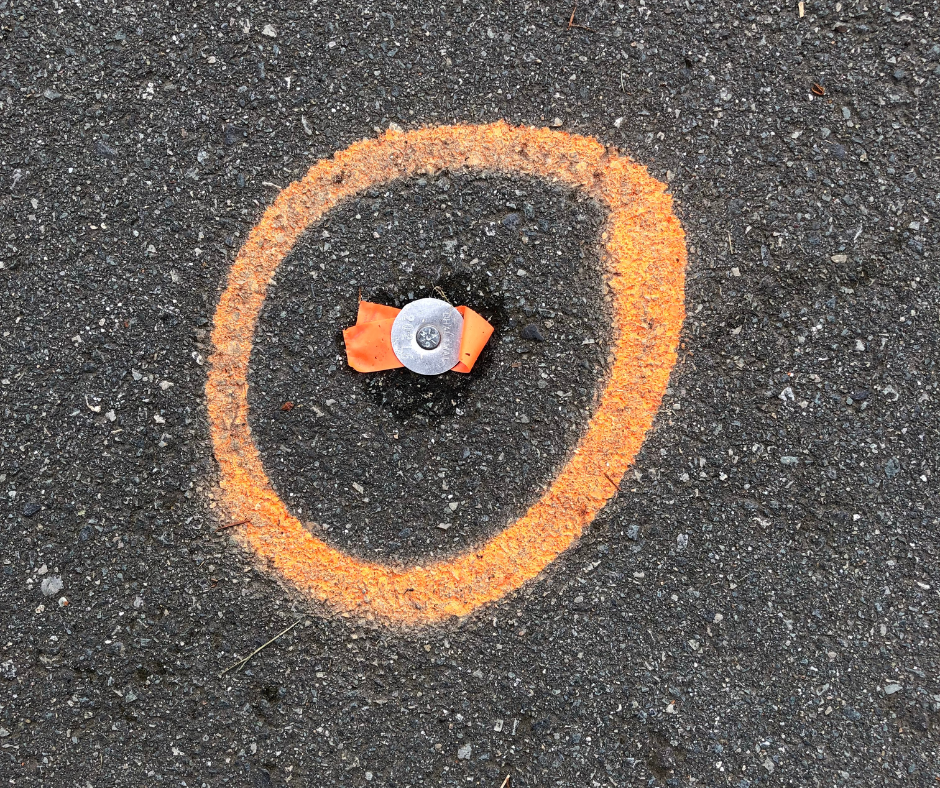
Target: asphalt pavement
{"x": 758, "y": 603}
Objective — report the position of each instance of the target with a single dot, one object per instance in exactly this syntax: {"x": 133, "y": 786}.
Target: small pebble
{"x": 51, "y": 585}
{"x": 103, "y": 149}
{"x": 532, "y": 332}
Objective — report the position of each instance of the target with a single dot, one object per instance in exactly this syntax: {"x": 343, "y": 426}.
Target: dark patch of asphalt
{"x": 759, "y": 604}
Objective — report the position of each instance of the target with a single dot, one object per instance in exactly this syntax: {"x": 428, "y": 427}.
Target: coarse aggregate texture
{"x": 758, "y": 607}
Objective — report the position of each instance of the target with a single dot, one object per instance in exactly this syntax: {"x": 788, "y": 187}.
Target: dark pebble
{"x": 103, "y": 149}
{"x": 532, "y": 332}
{"x": 261, "y": 779}
{"x": 234, "y": 134}
{"x": 30, "y": 509}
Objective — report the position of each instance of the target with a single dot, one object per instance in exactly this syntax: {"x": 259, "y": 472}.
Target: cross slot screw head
{"x": 428, "y": 337}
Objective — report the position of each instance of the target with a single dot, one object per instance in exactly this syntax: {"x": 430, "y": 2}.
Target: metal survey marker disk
{"x": 426, "y": 336}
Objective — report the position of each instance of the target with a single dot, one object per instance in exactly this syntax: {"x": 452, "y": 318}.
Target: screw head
{"x": 428, "y": 337}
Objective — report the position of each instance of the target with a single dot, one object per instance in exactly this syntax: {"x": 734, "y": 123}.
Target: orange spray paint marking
{"x": 644, "y": 258}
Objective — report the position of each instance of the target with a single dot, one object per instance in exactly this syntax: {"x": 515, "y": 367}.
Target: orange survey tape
{"x": 369, "y": 342}
{"x": 642, "y": 252}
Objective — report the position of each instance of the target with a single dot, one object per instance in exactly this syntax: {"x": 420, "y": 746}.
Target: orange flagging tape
{"x": 369, "y": 342}
{"x": 642, "y": 251}
{"x": 476, "y": 333}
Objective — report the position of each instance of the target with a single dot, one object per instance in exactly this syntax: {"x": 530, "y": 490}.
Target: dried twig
{"x": 505, "y": 783}
{"x": 616, "y": 486}
{"x": 231, "y": 525}
{"x": 572, "y": 23}
{"x": 243, "y": 661}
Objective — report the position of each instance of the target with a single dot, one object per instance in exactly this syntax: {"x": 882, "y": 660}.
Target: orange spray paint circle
{"x": 644, "y": 258}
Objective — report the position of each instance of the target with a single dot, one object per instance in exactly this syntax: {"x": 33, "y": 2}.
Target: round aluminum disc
{"x": 426, "y": 336}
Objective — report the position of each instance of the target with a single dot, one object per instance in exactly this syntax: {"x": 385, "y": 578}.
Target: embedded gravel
{"x": 759, "y": 604}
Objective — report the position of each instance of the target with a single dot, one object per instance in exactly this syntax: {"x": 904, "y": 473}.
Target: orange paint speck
{"x": 644, "y": 257}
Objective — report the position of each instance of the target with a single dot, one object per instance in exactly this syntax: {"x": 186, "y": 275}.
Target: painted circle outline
{"x": 644, "y": 258}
